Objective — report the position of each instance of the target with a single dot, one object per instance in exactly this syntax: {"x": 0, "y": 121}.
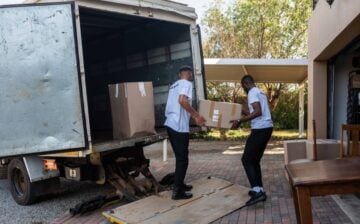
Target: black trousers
{"x": 254, "y": 150}
{"x": 180, "y": 143}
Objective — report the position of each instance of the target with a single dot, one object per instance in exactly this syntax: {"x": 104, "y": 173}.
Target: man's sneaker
{"x": 187, "y": 187}
{"x": 257, "y": 197}
{"x": 251, "y": 193}
{"x": 177, "y": 195}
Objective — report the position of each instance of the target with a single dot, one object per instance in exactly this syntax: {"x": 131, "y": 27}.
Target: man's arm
{"x": 247, "y": 116}
{"x": 184, "y": 102}
{"x": 256, "y": 113}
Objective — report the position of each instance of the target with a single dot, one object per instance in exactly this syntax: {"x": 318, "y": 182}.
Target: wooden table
{"x": 320, "y": 178}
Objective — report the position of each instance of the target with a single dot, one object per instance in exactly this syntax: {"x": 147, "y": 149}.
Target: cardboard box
{"x": 294, "y": 150}
{"x": 219, "y": 114}
{"x": 326, "y": 149}
{"x": 132, "y": 109}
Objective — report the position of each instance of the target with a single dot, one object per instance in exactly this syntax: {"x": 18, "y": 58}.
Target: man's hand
{"x": 199, "y": 120}
{"x": 235, "y": 124}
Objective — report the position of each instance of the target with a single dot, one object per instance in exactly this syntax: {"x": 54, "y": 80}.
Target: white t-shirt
{"x": 263, "y": 121}
{"x": 177, "y": 118}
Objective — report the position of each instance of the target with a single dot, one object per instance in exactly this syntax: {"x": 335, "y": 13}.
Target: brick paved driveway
{"x": 222, "y": 160}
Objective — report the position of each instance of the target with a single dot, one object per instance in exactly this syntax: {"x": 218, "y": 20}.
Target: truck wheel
{"x": 3, "y": 172}
{"x": 21, "y": 188}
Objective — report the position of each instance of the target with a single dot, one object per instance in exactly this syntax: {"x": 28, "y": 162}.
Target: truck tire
{"x": 3, "y": 172}
{"x": 22, "y": 190}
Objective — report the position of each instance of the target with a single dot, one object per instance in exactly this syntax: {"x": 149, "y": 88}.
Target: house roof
{"x": 263, "y": 70}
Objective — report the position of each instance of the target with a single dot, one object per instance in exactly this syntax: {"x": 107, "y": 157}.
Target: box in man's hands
{"x": 132, "y": 109}
{"x": 219, "y": 114}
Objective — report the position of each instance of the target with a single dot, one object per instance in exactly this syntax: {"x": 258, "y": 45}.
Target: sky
{"x": 199, "y": 5}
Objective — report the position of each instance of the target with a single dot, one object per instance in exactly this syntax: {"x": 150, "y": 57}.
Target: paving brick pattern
{"x": 211, "y": 159}
{"x": 223, "y": 160}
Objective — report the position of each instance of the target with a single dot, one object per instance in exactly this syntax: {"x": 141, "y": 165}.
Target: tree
{"x": 225, "y": 91}
{"x": 258, "y": 29}
{"x": 286, "y": 112}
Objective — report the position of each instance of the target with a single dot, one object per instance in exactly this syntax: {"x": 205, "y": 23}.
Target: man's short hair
{"x": 247, "y": 79}
{"x": 185, "y": 68}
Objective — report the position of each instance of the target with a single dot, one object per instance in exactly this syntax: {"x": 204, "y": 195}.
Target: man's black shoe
{"x": 187, "y": 187}
{"x": 251, "y": 193}
{"x": 257, "y": 197}
{"x": 177, "y": 195}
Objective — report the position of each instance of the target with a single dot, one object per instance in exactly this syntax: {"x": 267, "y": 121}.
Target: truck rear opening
{"x": 123, "y": 48}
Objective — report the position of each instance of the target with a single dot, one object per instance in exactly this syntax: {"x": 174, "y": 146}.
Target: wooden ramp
{"x": 212, "y": 199}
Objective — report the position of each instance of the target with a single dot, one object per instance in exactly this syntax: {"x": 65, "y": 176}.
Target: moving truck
{"x": 57, "y": 59}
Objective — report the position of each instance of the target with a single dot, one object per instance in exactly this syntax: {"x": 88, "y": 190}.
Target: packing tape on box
{"x": 219, "y": 120}
{"x": 211, "y": 110}
{"x": 233, "y": 110}
{"x": 142, "y": 90}
{"x": 116, "y": 90}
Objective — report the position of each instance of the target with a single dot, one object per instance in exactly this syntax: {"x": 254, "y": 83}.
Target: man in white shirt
{"x": 178, "y": 112}
{"x": 261, "y": 130}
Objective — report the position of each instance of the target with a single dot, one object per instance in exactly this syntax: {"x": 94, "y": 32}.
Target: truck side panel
{"x": 40, "y": 99}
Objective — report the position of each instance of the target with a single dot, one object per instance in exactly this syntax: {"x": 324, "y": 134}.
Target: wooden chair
{"x": 314, "y": 151}
{"x": 352, "y": 140}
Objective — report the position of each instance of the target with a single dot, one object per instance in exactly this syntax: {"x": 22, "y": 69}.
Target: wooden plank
{"x": 151, "y": 206}
{"x": 206, "y": 209}
{"x": 201, "y": 187}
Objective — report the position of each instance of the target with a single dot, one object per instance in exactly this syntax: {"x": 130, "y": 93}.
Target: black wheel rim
{"x": 19, "y": 182}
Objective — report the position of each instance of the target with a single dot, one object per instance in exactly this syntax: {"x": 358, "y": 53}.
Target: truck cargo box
{"x": 57, "y": 60}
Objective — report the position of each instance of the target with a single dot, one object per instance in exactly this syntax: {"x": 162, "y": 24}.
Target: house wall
{"x": 331, "y": 29}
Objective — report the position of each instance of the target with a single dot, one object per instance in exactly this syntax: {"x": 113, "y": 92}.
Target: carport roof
{"x": 263, "y": 70}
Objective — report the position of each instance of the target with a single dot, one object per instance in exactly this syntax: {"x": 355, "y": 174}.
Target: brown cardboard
{"x": 219, "y": 114}
{"x": 132, "y": 109}
{"x": 294, "y": 149}
{"x": 326, "y": 149}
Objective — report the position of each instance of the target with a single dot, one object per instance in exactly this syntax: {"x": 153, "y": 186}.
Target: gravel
{"x": 70, "y": 193}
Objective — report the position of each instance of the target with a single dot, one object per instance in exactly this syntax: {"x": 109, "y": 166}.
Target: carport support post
{"x": 165, "y": 150}
{"x": 301, "y": 110}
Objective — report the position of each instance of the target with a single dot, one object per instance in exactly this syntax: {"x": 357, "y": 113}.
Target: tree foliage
{"x": 225, "y": 91}
{"x": 257, "y": 29}
{"x": 286, "y": 112}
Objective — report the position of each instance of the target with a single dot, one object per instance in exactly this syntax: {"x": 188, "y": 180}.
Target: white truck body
{"x": 47, "y": 78}
{"x": 57, "y": 59}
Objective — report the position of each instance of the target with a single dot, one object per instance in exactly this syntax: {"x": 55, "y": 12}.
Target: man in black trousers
{"x": 261, "y": 130}
{"x": 178, "y": 112}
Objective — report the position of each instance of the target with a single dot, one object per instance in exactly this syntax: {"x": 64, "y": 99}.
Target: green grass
{"x": 242, "y": 134}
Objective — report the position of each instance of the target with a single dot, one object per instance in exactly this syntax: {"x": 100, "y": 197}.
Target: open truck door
{"x": 40, "y": 94}
{"x": 40, "y": 98}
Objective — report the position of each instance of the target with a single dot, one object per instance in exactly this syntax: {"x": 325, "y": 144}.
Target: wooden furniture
{"x": 320, "y": 178}
{"x": 352, "y": 140}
